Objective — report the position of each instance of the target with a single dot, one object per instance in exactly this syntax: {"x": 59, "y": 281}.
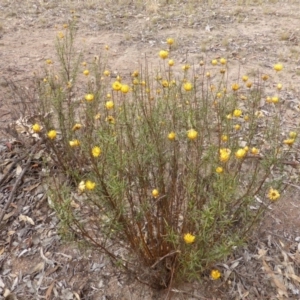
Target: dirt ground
{"x": 252, "y": 35}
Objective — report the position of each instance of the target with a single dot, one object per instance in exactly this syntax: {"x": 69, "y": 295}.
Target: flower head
{"x": 36, "y": 128}
{"x": 278, "y": 67}
{"x": 223, "y": 61}
{"x": 110, "y": 119}
{"x": 214, "y": 62}
{"x": 49, "y": 62}
{"x": 170, "y": 41}
{"x": 74, "y": 143}
{"x": 96, "y": 151}
{"x": 89, "y": 97}
{"x": 155, "y": 193}
{"x": 245, "y": 78}
{"x": 188, "y": 86}
{"x": 86, "y": 72}
{"x": 215, "y": 274}
{"x": 224, "y": 138}
{"x": 192, "y": 134}
{"x": 109, "y": 104}
{"x": 171, "y": 62}
{"x": 116, "y": 85}
{"x": 90, "y": 185}
{"x": 125, "y": 88}
{"x": 106, "y": 73}
{"x": 163, "y": 54}
{"x": 254, "y": 151}
{"x": 172, "y": 136}
{"x": 264, "y": 77}
{"x": 240, "y": 153}
{"x": 77, "y": 126}
{"x": 224, "y": 154}
{"x": 289, "y": 142}
{"x": 279, "y": 86}
{"x": 273, "y": 194}
{"x": 219, "y": 170}
{"x": 237, "y": 113}
{"x": 189, "y": 238}
{"x": 235, "y": 87}
{"x": 292, "y": 134}
{"x": 52, "y": 134}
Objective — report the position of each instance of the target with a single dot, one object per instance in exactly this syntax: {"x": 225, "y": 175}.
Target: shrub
{"x": 175, "y": 172}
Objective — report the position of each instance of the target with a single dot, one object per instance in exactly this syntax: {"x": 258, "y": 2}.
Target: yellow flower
{"x": 52, "y": 134}
{"x": 155, "y": 193}
{"x": 108, "y": 95}
{"x": 84, "y": 63}
{"x": 224, "y": 138}
{"x": 109, "y": 104}
{"x": 36, "y": 127}
{"x": 279, "y": 86}
{"x": 135, "y": 81}
{"x": 97, "y": 116}
{"x": 185, "y": 67}
{"x": 170, "y": 41}
{"x": 237, "y": 126}
{"x": 60, "y": 35}
{"x": 292, "y": 134}
{"x": 215, "y": 274}
{"x": 48, "y": 61}
{"x": 90, "y": 185}
{"x": 219, "y": 95}
{"x": 189, "y": 238}
{"x": 163, "y": 54}
{"x": 240, "y": 153}
{"x": 214, "y": 62}
{"x": 81, "y": 186}
{"x": 207, "y": 74}
{"x": 192, "y": 134}
{"x": 171, "y": 62}
{"x": 264, "y": 77}
{"x": 74, "y": 143}
{"x": 110, "y": 119}
{"x": 229, "y": 117}
{"x": 245, "y": 78}
{"x": 243, "y": 97}
{"x": 273, "y": 194}
{"x": 172, "y": 136}
{"x": 222, "y": 71}
{"x": 188, "y": 86}
{"x": 116, "y": 86}
{"x": 89, "y": 97}
{"x": 249, "y": 84}
{"x": 254, "y": 151}
{"x": 219, "y": 170}
{"x": 246, "y": 118}
{"x": 235, "y": 87}
{"x": 77, "y": 126}
{"x": 201, "y": 63}
{"x": 125, "y": 88}
{"x": 86, "y": 72}
{"x": 165, "y": 83}
{"x": 224, "y": 154}
{"x": 289, "y": 142}
{"x": 275, "y": 99}
{"x": 135, "y": 73}
{"x": 106, "y": 73}
{"x": 96, "y": 151}
{"x": 278, "y": 67}
{"x": 259, "y": 114}
{"x": 106, "y": 47}
{"x": 246, "y": 148}
{"x": 237, "y": 113}
{"x": 119, "y": 78}
{"x": 223, "y": 61}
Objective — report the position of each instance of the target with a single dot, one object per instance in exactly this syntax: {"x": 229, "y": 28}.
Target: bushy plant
{"x": 177, "y": 172}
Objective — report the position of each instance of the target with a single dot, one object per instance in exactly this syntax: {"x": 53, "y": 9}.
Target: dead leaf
{"x": 2, "y": 251}
{"x": 18, "y": 170}
{"x": 49, "y": 290}
{"x": 26, "y": 219}
{"x": 281, "y": 288}
{"x": 32, "y": 187}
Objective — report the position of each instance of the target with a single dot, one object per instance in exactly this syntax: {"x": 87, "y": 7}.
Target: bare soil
{"x": 253, "y": 36}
